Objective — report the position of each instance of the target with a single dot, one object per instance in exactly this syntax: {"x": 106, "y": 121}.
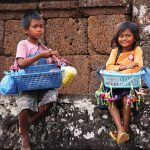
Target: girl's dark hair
{"x": 26, "y": 20}
{"x": 123, "y": 26}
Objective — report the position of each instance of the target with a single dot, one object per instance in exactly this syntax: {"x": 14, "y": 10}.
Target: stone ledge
{"x": 58, "y": 4}
{"x": 8, "y": 5}
{"x": 75, "y": 123}
{"x": 102, "y": 3}
{"x": 17, "y": 6}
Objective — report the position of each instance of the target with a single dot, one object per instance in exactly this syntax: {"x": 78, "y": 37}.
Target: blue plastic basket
{"x": 39, "y": 77}
{"x": 119, "y": 80}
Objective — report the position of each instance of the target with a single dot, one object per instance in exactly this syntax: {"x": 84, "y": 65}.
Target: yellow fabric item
{"x": 125, "y": 58}
{"x": 68, "y": 74}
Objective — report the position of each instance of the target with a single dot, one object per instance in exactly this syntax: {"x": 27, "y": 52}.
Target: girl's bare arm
{"x": 129, "y": 66}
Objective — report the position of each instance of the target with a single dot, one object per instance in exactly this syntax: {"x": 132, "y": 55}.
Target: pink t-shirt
{"x": 25, "y": 49}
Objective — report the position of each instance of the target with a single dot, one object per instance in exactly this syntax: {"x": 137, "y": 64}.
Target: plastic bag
{"x": 146, "y": 76}
{"x": 7, "y": 84}
{"x": 68, "y": 74}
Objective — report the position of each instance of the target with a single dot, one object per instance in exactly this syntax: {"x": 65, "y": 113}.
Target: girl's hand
{"x": 132, "y": 65}
{"x": 46, "y": 53}
{"x": 54, "y": 53}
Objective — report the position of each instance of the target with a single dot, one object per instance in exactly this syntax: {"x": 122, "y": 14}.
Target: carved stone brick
{"x": 13, "y": 34}
{"x": 68, "y": 36}
{"x": 100, "y": 32}
{"x": 17, "y": 6}
{"x": 58, "y": 4}
{"x": 80, "y": 83}
{"x": 101, "y": 3}
{"x": 5, "y": 63}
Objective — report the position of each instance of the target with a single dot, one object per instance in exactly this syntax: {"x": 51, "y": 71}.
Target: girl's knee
{"x": 111, "y": 106}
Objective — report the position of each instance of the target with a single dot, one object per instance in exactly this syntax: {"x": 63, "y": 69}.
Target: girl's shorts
{"x": 120, "y": 92}
{"x": 34, "y": 99}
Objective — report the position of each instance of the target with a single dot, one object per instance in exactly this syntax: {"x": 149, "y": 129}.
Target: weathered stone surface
{"x": 118, "y": 19}
{"x": 17, "y": 6}
{"x": 96, "y": 62}
{"x": 5, "y": 63}
{"x": 87, "y": 12}
{"x": 146, "y": 53}
{"x": 145, "y": 32}
{"x": 81, "y": 81}
{"x": 102, "y": 3}
{"x": 76, "y": 123}
{"x": 100, "y": 32}
{"x": 8, "y": 15}
{"x": 141, "y": 12}
{"x": 68, "y": 36}
{"x": 13, "y": 35}
{"x": 58, "y": 4}
{"x": 1, "y": 35}
{"x": 97, "y": 29}
{"x": 60, "y": 13}
{"x": 94, "y": 82}
{"x": 141, "y": 2}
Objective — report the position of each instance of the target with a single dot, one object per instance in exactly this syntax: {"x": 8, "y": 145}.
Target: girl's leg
{"x": 116, "y": 117}
{"x": 126, "y": 114}
{"x": 24, "y": 123}
{"x": 41, "y": 112}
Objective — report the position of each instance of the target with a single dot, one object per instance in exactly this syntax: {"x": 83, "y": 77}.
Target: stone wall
{"x": 141, "y": 14}
{"x": 80, "y": 30}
